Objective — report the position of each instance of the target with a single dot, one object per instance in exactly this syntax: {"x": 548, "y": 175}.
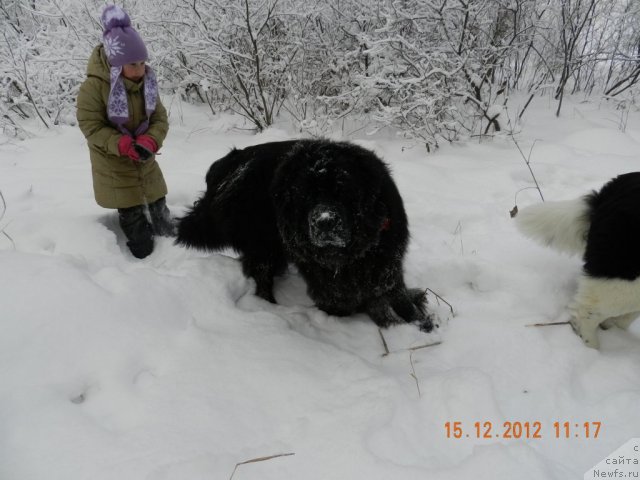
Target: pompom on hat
{"x": 122, "y": 43}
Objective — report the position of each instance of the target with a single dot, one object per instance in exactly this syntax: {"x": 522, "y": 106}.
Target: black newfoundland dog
{"x": 330, "y": 208}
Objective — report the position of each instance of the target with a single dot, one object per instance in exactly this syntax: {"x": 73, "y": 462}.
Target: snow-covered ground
{"x": 170, "y": 368}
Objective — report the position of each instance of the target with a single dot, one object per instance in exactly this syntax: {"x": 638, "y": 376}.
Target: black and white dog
{"x": 604, "y": 227}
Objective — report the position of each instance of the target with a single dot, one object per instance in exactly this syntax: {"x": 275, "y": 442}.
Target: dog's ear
{"x": 390, "y": 209}
{"x": 381, "y": 213}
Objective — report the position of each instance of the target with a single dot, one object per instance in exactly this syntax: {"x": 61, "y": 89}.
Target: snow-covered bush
{"x": 432, "y": 70}
{"x": 43, "y": 56}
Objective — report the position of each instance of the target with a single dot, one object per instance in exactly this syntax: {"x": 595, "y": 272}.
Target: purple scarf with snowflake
{"x": 118, "y": 109}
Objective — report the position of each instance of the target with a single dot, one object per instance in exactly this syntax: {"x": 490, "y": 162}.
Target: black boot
{"x": 161, "y": 220}
{"x": 137, "y": 228}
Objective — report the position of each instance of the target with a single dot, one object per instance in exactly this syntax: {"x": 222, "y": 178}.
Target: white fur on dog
{"x": 601, "y": 299}
{"x": 560, "y": 225}
{"x": 608, "y": 301}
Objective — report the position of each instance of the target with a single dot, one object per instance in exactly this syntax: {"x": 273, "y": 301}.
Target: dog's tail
{"x": 562, "y": 226}
{"x": 198, "y": 229}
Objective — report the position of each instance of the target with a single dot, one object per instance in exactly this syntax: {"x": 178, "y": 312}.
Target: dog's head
{"x": 330, "y": 202}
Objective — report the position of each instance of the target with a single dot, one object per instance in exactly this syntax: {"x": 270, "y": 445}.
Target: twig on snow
{"x": 547, "y": 324}
{"x": 420, "y": 347}
{"x": 438, "y": 298}
{"x": 4, "y": 209}
{"x": 259, "y": 459}
{"x": 410, "y": 349}
{"x": 527, "y": 161}
{"x": 384, "y": 343}
{"x": 413, "y": 373}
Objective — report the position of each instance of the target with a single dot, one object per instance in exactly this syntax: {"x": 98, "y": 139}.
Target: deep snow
{"x": 169, "y": 368}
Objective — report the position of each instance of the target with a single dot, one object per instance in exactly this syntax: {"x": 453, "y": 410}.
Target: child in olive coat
{"x": 121, "y": 116}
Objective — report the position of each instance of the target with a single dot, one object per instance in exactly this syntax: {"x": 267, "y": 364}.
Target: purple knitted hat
{"x": 122, "y": 43}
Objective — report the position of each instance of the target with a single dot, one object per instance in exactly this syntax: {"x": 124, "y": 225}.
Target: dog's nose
{"x": 326, "y": 227}
{"x": 325, "y": 221}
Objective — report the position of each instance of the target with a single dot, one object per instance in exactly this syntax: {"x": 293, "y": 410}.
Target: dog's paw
{"x": 427, "y": 325}
{"x": 588, "y": 336}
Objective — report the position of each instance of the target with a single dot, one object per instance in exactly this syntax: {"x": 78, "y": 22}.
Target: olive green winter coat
{"x": 118, "y": 182}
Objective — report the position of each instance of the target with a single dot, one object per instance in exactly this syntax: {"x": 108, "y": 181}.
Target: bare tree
{"x": 624, "y": 59}
{"x": 576, "y": 22}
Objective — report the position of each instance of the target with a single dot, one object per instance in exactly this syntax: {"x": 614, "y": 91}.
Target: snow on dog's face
{"x": 328, "y": 226}
{"x": 327, "y": 204}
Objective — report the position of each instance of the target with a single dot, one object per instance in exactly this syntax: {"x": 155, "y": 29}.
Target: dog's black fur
{"x": 613, "y": 242}
{"x": 330, "y": 208}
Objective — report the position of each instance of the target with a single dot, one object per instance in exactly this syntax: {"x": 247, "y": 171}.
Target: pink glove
{"x": 147, "y": 142}
{"x": 126, "y": 148}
